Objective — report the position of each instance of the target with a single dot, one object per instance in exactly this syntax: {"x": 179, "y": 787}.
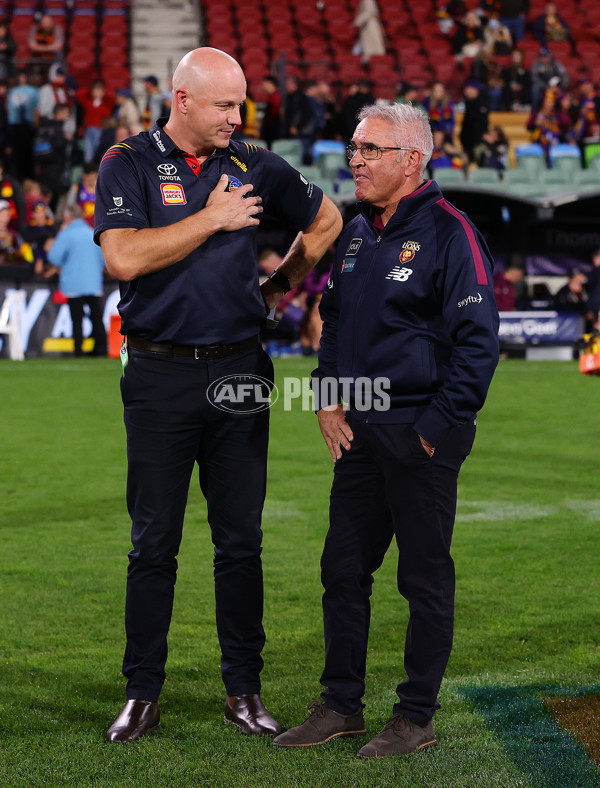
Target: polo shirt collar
{"x": 164, "y": 144}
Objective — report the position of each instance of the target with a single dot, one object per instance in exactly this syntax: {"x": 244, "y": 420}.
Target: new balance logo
{"x": 399, "y": 274}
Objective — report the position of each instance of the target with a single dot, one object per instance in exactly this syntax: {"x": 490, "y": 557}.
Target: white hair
{"x": 410, "y": 126}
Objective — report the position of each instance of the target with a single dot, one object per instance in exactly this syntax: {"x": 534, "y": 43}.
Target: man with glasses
{"x": 410, "y": 303}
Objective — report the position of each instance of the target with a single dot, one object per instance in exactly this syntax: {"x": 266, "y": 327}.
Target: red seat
{"x": 444, "y": 71}
{"x": 560, "y": 49}
{"x": 116, "y": 78}
{"x": 221, "y": 41}
{"x": 277, "y": 13}
{"x": 251, "y": 37}
{"x": 281, "y": 44}
{"x": 254, "y": 58}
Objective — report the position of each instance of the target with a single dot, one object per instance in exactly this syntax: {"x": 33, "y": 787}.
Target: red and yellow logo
{"x": 172, "y": 194}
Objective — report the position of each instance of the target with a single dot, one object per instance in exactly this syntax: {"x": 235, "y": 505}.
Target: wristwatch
{"x": 281, "y": 280}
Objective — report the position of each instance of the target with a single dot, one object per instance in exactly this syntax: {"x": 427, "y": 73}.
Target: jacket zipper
{"x": 360, "y": 298}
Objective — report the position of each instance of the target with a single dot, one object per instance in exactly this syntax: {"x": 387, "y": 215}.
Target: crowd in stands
{"x": 579, "y": 295}
{"x": 53, "y": 134}
{"x": 54, "y": 131}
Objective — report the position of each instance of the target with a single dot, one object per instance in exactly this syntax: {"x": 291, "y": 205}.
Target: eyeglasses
{"x": 369, "y": 151}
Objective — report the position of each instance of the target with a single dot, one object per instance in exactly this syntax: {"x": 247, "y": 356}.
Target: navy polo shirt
{"x": 211, "y": 296}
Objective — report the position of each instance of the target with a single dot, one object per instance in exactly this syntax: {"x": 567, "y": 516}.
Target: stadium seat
{"x": 520, "y": 175}
{"x": 346, "y": 187}
{"x": 563, "y": 151}
{"x": 310, "y": 172}
{"x": 587, "y": 180}
{"x": 328, "y": 146}
{"x": 484, "y": 176}
{"x": 448, "y": 176}
{"x": 530, "y": 189}
{"x": 326, "y": 184}
{"x": 591, "y": 155}
{"x": 530, "y": 149}
{"x": 287, "y": 148}
{"x": 530, "y": 155}
{"x": 293, "y": 159}
{"x": 568, "y": 166}
{"x": 557, "y": 178}
{"x": 330, "y": 163}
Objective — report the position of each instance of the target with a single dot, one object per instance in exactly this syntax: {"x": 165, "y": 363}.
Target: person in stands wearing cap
{"x": 546, "y": 72}
{"x": 58, "y": 91}
{"x": 177, "y": 210}
{"x": 154, "y": 107}
{"x": 127, "y": 112}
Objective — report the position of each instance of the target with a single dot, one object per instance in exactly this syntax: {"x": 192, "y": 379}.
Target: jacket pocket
{"x": 427, "y": 361}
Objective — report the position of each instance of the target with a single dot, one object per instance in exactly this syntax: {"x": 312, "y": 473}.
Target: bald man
{"x": 177, "y": 211}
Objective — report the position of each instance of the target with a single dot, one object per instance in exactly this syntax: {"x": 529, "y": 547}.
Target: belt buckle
{"x": 196, "y": 356}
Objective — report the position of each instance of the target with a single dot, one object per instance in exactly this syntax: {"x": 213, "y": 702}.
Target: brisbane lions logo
{"x": 409, "y": 249}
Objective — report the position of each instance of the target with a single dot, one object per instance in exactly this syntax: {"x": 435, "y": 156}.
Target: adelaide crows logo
{"x": 233, "y": 184}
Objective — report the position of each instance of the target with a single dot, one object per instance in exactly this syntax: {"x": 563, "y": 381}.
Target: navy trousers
{"x": 170, "y": 426}
{"x": 386, "y": 486}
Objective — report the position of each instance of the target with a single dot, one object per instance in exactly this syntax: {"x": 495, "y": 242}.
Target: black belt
{"x": 193, "y": 351}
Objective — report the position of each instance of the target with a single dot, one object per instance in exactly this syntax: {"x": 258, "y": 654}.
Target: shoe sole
{"x": 391, "y": 754}
{"x": 241, "y": 730}
{"x": 323, "y": 741}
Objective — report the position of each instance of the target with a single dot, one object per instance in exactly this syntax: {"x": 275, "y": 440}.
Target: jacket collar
{"x": 423, "y": 197}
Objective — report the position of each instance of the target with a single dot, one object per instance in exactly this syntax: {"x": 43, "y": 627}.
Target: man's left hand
{"x": 427, "y": 446}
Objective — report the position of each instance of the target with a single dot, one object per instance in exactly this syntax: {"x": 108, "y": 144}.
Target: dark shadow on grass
{"x": 57, "y": 510}
{"x": 35, "y": 701}
{"x": 539, "y": 747}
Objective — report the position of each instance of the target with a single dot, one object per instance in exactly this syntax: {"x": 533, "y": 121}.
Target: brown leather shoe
{"x": 138, "y": 718}
{"x": 250, "y": 715}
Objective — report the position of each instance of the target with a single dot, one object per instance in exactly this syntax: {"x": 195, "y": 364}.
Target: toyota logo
{"x": 167, "y": 169}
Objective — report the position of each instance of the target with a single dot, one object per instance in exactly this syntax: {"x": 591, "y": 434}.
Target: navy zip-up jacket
{"x": 413, "y": 303}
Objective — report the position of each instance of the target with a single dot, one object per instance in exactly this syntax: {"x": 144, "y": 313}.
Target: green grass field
{"x": 527, "y": 616}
